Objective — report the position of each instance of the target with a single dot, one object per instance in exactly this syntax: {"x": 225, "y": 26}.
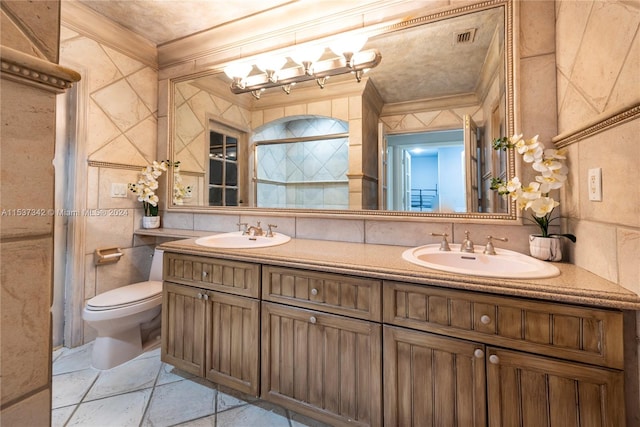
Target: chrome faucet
{"x": 270, "y": 230}
{"x": 255, "y": 230}
{"x": 489, "y": 249}
{"x": 466, "y": 245}
{"x": 242, "y": 226}
{"x": 444, "y": 245}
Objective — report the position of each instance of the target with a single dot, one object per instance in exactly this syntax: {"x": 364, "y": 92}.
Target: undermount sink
{"x": 505, "y": 264}
{"x": 238, "y": 240}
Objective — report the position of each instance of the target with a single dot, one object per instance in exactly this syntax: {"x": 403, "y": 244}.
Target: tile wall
{"x": 119, "y": 94}
{"x": 598, "y": 58}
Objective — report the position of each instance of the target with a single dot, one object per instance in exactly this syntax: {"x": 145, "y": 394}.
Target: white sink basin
{"x": 505, "y": 264}
{"x": 235, "y": 240}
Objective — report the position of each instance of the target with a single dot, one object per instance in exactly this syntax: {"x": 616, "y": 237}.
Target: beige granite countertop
{"x": 573, "y": 285}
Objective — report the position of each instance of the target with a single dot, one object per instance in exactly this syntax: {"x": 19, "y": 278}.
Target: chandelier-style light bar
{"x": 349, "y": 60}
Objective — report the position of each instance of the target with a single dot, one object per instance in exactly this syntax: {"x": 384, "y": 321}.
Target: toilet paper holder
{"x": 107, "y": 255}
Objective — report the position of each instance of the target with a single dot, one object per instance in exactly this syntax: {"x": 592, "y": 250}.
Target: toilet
{"x": 127, "y": 319}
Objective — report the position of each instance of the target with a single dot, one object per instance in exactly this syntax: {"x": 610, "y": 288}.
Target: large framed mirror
{"x": 411, "y": 138}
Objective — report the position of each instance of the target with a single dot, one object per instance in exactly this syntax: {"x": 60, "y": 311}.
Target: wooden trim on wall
{"x": 602, "y": 123}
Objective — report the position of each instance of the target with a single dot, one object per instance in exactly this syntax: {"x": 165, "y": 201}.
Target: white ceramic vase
{"x": 545, "y": 248}
{"x": 150, "y": 221}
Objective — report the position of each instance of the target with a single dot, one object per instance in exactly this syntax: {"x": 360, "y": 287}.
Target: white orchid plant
{"x": 534, "y": 196}
{"x": 147, "y": 185}
{"x": 180, "y": 191}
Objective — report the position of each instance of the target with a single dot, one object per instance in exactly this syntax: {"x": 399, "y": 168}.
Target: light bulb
{"x": 307, "y": 55}
{"x": 238, "y": 70}
{"x": 349, "y": 43}
{"x": 271, "y": 63}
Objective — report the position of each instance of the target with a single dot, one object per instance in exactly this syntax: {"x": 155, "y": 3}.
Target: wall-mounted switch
{"x": 118, "y": 189}
{"x": 594, "y": 185}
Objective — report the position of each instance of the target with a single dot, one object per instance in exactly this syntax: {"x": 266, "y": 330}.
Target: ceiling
{"x": 420, "y": 63}
{"x": 161, "y": 21}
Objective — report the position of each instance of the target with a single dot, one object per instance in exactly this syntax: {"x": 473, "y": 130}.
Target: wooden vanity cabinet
{"x": 316, "y": 360}
{"x": 540, "y": 380}
{"x": 210, "y": 333}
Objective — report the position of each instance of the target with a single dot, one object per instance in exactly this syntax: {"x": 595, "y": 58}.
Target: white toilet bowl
{"x": 127, "y": 319}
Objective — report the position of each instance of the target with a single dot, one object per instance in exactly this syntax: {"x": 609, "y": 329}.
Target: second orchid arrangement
{"x": 550, "y": 163}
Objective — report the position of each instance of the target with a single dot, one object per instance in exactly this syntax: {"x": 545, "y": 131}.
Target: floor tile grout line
{"x": 153, "y": 390}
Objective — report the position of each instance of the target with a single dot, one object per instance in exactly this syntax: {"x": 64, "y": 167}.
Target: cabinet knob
{"x": 314, "y": 291}
{"x": 200, "y": 296}
{"x": 313, "y": 319}
{"x": 494, "y": 359}
{"x": 485, "y": 319}
{"x": 478, "y": 353}
{"x": 205, "y": 274}
{"x": 206, "y": 297}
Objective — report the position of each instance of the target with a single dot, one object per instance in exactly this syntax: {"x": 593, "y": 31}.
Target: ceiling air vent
{"x": 466, "y": 36}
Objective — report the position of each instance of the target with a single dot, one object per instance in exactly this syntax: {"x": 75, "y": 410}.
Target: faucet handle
{"x": 270, "y": 230}
{"x": 444, "y": 245}
{"x": 242, "y": 226}
{"x": 489, "y": 249}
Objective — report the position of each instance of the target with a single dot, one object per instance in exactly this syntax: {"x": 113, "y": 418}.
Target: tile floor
{"x": 147, "y": 392}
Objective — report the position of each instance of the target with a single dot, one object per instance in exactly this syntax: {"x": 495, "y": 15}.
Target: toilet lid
{"x": 126, "y": 295}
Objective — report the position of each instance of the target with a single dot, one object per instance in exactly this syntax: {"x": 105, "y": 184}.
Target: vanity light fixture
{"x": 309, "y": 66}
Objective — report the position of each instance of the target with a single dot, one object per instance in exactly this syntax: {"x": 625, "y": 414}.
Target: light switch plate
{"x": 118, "y": 189}
{"x": 595, "y": 184}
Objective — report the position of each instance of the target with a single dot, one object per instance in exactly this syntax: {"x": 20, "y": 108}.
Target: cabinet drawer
{"x": 240, "y": 278}
{"x": 567, "y": 331}
{"x": 334, "y": 293}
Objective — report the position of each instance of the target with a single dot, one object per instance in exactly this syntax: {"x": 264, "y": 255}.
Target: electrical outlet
{"x": 118, "y": 189}
{"x": 595, "y": 184}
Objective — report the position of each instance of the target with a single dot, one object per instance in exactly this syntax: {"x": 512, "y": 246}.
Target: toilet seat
{"x": 125, "y": 296}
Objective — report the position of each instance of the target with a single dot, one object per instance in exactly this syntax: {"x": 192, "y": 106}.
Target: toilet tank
{"x": 156, "y": 266}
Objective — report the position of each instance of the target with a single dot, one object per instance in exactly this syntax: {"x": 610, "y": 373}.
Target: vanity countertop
{"x": 573, "y": 285}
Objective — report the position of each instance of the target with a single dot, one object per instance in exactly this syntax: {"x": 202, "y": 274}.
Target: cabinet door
{"x": 322, "y": 365}
{"x": 430, "y": 380}
{"x": 527, "y": 390}
{"x": 232, "y": 349}
{"x": 183, "y": 317}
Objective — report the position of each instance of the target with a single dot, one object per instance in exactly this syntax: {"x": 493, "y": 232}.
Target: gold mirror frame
{"x": 510, "y": 97}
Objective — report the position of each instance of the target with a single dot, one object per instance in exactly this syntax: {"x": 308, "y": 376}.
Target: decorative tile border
{"x": 33, "y": 71}
{"x": 601, "y": 124}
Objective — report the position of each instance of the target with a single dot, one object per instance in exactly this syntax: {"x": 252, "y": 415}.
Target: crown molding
{"x": 36, "y": 72}
{"x": 83, "y": 20}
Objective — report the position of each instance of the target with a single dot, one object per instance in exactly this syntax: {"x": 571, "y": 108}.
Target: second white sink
{"x": 505, "y": 264}
{"x": 236, "y": 240}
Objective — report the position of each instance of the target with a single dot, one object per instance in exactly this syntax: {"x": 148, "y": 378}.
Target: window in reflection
{"x": 223, "y": 169}
{"x": 303, "y": 164}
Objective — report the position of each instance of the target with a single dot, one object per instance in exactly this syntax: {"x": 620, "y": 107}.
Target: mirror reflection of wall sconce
{"x": 309, "y": 66}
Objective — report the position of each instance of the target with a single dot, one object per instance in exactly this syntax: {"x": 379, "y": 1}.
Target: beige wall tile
{"x": 25, "y": 354}
{"x": 133, "y": 267}
{"x": 27, "y": 170}
{"x": 603, "y": 50}
{"x": 320, "y": 108}
{"x": 616, "y": 151}
{"x": 537, "y": 102}
{"x": 104, "y": 231}
{"x": 628, "y": 265}
{"x": 571, "y": 21}
{"x": 295, "y": 110}
{"x": 537, "y": 36}
{"x": 35, "y": 410}
{"x": 348, "y": 230}
{"x": 596, "y": 249}
{"x": 405, "y": 233}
